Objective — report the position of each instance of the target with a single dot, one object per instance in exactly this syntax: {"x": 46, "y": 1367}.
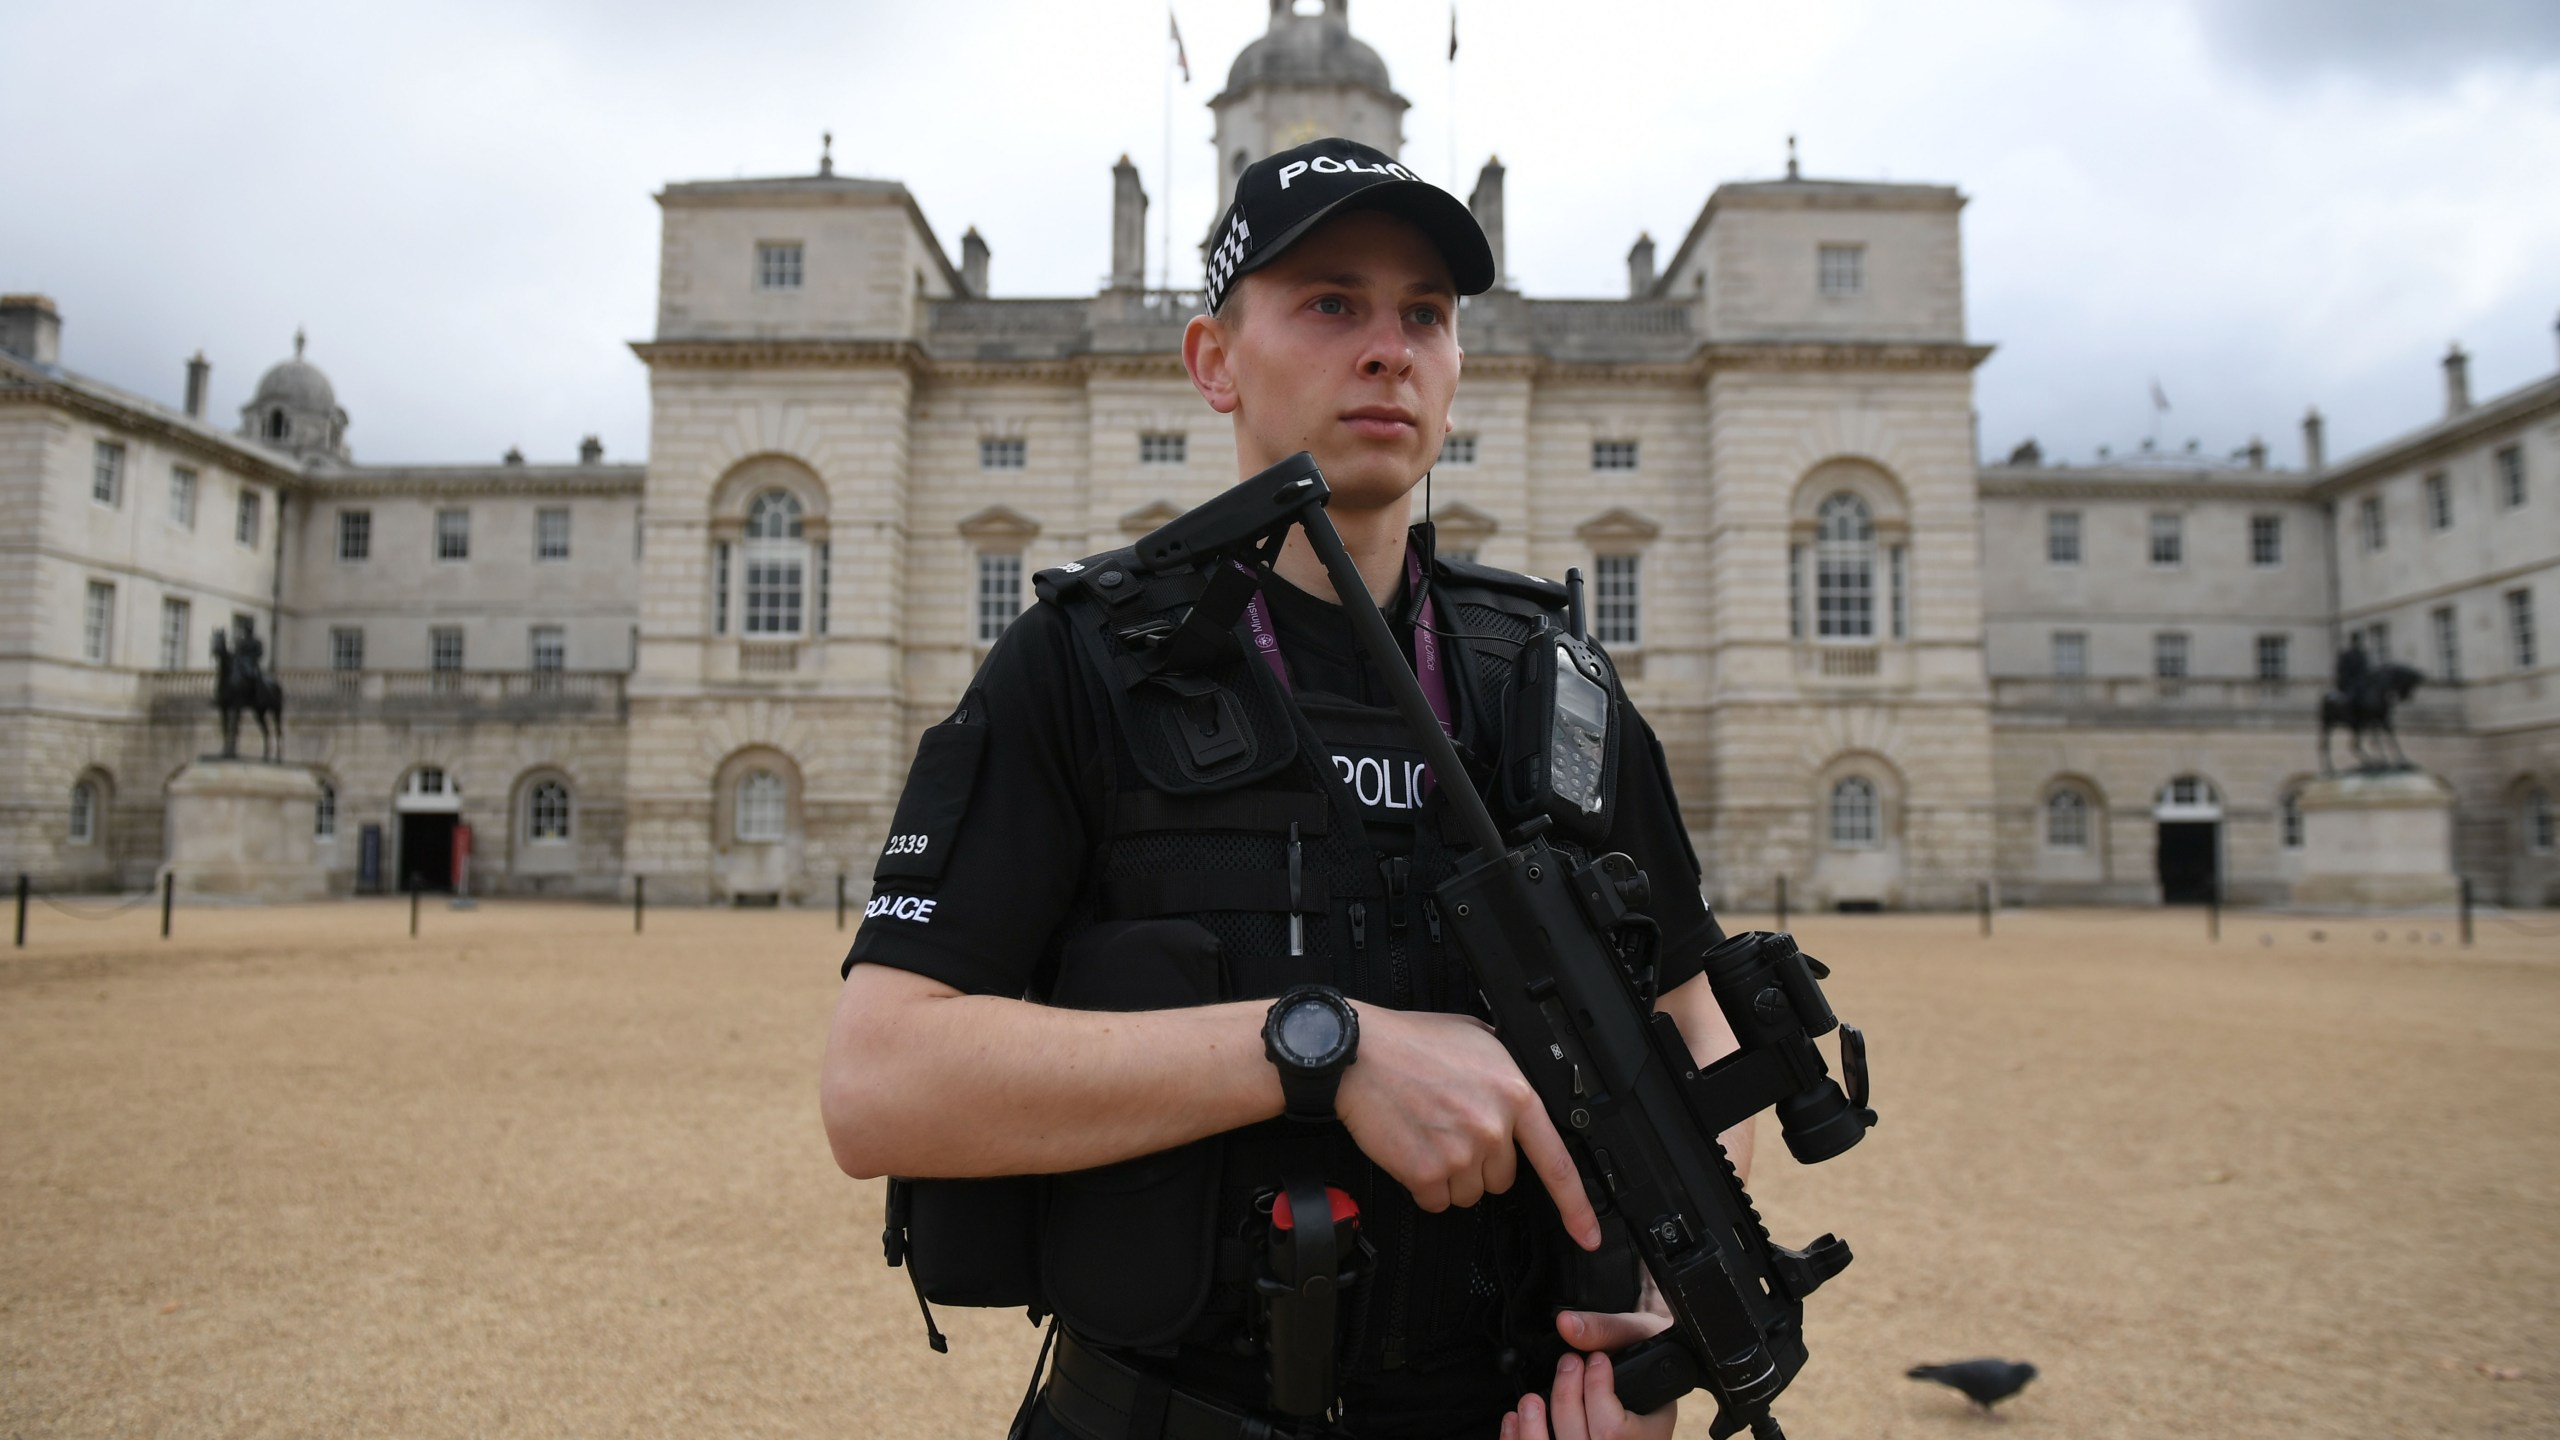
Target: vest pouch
{"x": 1126, "y": 1251}
{"x": 971, "y": 1242}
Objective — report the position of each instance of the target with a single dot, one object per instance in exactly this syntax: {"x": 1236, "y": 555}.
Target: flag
{"x": 1453, "y": 32}
{"x": 2159, "y": 397}
{"x": 1181, "y": 56}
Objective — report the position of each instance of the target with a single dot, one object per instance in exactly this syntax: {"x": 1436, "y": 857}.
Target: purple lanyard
{"x": 1426, "y": 641}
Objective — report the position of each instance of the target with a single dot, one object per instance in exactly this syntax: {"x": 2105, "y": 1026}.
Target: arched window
{"x": 1844, "y": 570}
{"x": 2538, "y": 821}
{"x": 777, "y": 563}
{"x": 762, "y": 806}
{"x": 546, "y": 812}
{"x": 2289, "y": 819}
{"x": 2066, "y": 820}
{"x": 84, "y": 813}
{"x": 1854, "y": 822}
{"x": 324, "y": 813}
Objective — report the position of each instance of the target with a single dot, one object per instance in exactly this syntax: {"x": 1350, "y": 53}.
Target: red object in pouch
{"x": 1344, "y": 1208}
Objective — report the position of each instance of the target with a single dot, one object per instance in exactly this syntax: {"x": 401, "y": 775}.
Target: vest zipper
{"x": 1359, "y": 926}
{"x": 1297, "y": 919}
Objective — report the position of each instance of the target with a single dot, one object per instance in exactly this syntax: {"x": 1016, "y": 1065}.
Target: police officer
{"x": 1068, "y": 964}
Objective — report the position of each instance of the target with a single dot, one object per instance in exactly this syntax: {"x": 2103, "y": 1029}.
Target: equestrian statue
{"x": 2362, "y": 703}
{"x": 240, "y": 682}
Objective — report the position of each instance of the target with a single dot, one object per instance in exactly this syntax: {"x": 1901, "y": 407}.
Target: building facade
{"x": 1884, "y": 672}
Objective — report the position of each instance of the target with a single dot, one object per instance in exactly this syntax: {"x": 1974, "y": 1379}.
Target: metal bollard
{"x": 413, "y": 904}
{"x": 2466, "y": 909}
{"x": 168, "y": 899}
{"x": 839, "y": 899}
{"x": 639, "y": 900}
{"x": 22, "y": 909}
{"x": 2213, "y": 911}
{"x": 1984, "y": 891}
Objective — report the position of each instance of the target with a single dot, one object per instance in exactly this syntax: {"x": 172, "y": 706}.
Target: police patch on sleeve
{"x": 936, "y": 799}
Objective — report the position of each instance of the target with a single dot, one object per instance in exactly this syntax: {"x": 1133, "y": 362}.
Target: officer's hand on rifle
{"x": 1584, "y": 1404}
{"x": 1438, "y": 1103}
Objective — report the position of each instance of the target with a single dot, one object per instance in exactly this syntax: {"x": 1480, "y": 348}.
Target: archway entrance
{"x": 2189, "y": 814}
{"x": 429, "y": 806}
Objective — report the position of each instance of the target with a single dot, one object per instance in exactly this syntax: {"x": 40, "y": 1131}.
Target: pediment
{"x": 1618, "y": 526}
{"x": 1000, "y": 523}
{"x": 1148, "y": 517}
{"x": 1462, "y": 524}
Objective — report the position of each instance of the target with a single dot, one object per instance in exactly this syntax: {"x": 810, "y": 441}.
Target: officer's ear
{"x": 1208, "y": 353}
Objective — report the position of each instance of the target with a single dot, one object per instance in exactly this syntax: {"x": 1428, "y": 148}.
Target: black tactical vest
{"x": 1218, "y": 776}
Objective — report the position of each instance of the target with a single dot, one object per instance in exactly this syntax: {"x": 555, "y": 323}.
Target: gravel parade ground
{"x": 294, "y": 1173}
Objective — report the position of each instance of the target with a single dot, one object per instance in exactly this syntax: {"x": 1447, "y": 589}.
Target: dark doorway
{"x": 2190, "y": 860}
{"x": 426, "y": 850}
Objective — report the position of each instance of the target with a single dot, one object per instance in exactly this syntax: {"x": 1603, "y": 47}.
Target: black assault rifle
{"x": 1639, "y": 1116}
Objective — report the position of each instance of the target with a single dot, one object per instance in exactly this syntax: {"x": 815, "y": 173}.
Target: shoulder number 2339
{"x": 906, "y": 844}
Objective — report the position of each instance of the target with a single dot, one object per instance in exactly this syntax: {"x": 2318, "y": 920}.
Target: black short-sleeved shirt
{"x": 1034, "y": 815}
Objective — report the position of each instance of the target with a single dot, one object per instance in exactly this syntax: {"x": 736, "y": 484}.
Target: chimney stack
{"x": 2314, "y": 455}
{"x": 2457, "y": 381}
{"x": 1640, "y": 268}
{"x": 198, "y": 373}
{"x": 513, "y": 456}
{"x": 591, "y": 451}
{"x": 973, "y": 263}
{"x": 1128, "y": 228}
{"x": 1486, "y": 204}
{"x": 31, "y": 329}
{"x": 2257, "y": 453}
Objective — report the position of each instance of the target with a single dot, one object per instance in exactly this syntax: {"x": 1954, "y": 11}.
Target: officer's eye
{"x": 1426, "y": 315}
{"x": 1330, "y": 305}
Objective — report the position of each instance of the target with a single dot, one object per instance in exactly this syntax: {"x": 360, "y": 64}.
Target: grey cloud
{"x": 2395, "y": 42}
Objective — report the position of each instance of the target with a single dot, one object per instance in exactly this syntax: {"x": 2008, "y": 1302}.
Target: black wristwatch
{"x": 1312, "y": 1035}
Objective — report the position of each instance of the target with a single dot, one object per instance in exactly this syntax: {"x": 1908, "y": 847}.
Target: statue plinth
{"x": 2377, "y": 841}
{"x": 242, "y": 829}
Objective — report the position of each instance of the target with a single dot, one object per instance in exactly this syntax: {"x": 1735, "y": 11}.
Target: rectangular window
{"x": 2444, "y": 620}
{"x": 2520, "y": 628}
{"x": 2168, "y": 539}
{"x": 453, "y": 534}
{"x": 2272, "y": 657}
{"x": 2377, "y": 642}
{"x": 1003, "y": 454}
{"x": 1843, "y": 269}
{"x": 1459, "y": 448}
{"x": 2266, "y": 541}
{"x": 177, "y": 618}
{"x": 635, "y": 647}
{"x": 1618, "y": 612}
{"x": 550, "y": 649}
{"x": 2369, "y": 515}
{"x": 346, "y": 647}
{"x": 550, "y": 534}
{"x": 1613, "y": 454}
{"x": 775, "y": 587}
{"x": 1901, "y": 566}
{"x": 2169, "y": 655}
{"x": 245, "y": 529}
{"x": 720, "y": 588}
{"x": 2510, "y": 462}
{"x": 2439, "y": 502}
{"x": 2062, "y": 537}
{"x": 444, "y": 648}
{"x": 106, "y": 474}
{"x": 778, "y": 265}
{"x": 182, "y": 498}
{"x": 2070, "y": 654}
{"x": 999, "y": 593}
{"x": 826, "y": 578}
{"x": 98, "y": 623}
{"x": 355, "y": 534}
{"x": 1457, "y": 554}
{"x": 1164, "y": 448}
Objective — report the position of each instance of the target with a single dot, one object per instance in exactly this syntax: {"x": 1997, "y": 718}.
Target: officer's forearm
{"x": 922, "y": 1080}
{"x": 1693, "y": 1008}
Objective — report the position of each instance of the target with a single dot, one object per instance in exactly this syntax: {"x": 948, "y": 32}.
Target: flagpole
{"x": 1164, "y": 265}
{"x": 1453, "y": 98}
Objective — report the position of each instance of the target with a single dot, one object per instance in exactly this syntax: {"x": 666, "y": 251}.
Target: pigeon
{"x": 1984, "y": 1382}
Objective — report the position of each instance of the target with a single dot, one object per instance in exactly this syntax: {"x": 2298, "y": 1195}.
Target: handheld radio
{"x": 1564, "y": 763}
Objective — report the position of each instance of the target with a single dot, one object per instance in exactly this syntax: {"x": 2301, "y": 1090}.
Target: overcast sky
{"x": 2261, "y": 204}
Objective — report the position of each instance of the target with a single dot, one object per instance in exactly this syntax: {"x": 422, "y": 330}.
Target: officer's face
{"x": 1346, "y": 345}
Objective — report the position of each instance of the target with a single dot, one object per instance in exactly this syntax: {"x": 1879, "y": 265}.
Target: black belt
{"x": 1101, "y": 1398}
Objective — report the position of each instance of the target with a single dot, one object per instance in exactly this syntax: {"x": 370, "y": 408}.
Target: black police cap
{"x": 1282, "y": 197}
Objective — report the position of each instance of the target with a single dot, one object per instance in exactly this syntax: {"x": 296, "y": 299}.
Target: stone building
{"x": 1884, "y": 671}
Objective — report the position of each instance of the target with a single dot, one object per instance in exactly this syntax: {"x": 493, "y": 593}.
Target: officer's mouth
{"x": 1380, "y": 422}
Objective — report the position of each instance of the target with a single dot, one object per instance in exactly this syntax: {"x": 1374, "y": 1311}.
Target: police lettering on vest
{"x": 900, "y": 907}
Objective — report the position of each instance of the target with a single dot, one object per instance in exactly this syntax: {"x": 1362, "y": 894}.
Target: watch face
{"x": 1310, "y": 1031}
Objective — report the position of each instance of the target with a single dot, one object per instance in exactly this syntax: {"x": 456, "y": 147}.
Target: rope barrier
{"x": 109, "y": 913}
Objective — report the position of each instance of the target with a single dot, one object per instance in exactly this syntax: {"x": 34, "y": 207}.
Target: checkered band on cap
{"x": 1226, "y": 257}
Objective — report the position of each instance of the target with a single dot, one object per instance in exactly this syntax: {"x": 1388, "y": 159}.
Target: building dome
{"x": 296, "y": 408}
{"x": 1314, "y": 49}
